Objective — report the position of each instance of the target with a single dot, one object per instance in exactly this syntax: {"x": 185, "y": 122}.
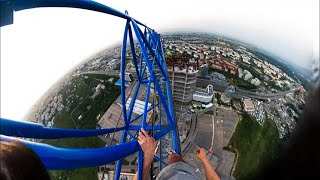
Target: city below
{"x": 237, "y": 102}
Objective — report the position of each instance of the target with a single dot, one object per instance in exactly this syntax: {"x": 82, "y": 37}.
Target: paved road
{"x": 192, "y": 134}
{"x": 242, "y": 93}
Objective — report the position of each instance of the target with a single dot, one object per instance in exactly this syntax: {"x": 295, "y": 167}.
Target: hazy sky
{"x": 43, "y": 44}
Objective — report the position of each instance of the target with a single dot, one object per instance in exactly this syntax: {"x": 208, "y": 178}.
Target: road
{"x": 192, "y": 134}
{"x": 242, "y": 93}
{"x": 239, "y": 93}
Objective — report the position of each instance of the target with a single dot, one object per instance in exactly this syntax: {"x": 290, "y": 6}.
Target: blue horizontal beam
{"x": 147, "y": 128}
{"x": 81, "y": 4}
{"x": 56, "y": 158}
{"x": 131, "y": 136}
{"x": 38, "y": 131}
{"x": 160, "y": 134}
{"x": 146, "y": 82}
{"x": 137, "y": 117}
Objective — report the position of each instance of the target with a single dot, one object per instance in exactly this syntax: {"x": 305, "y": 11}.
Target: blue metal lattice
{"x": 151, "y": 72}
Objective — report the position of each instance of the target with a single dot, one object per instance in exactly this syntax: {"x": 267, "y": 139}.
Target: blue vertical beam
{"x": 159, "y": 47}
{"x": 123, "y": 63}
{"x": 176, "y": 140}
{"x": 144, "y": 52}
{"x": 140, "y": 164}
{"x": 119, "y": 162}
{"x": 140, "y": 115}
{"x": 133, "y": 100}
{"x": 149, "y": 39}
{"x": 144, "y": 32}
{"x": 154, "y": 46}
{"x": 157, "y": 53}
{"x": 131, "y": 136}
{"x": 162, "y": 53}
{"x": 144, "y": 120}
{"x": 133, "y": 52}
{"x": 143, "y": 70}
{"x": 147, "y": 45}
{"x": 164, "y": 103}
{"x": 150, "y": 49}
{"x": 160, "y": 141}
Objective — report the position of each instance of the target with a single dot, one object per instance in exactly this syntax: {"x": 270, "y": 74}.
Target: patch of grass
{"x": 83, "y": 88}
{"x": 256, "y": 145}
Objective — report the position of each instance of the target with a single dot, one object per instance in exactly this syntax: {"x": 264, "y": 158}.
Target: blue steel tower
{"x": 150, "y": 68}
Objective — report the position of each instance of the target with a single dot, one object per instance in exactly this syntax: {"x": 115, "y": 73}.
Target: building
{"x": 114, "y": 64}
{"x": 247, "y": 75}
{"x": 224, "y": 65}
{"x": 204, "y": 96}
{"x": 248, "y": 106}
{"x": 138, "y": 107}
{"x": 218, "y": 78}
{"x": 98, "y": 90}
{"x": 255, "y": 81}
{"x": 228, "y": 94}
{"x": 113, "y": 117}
{"x": 127, "y": 77}
{"x": 182, "y": 72}
{"x": 217, "y": 64}
{"x": 204, "y": 70}
{"x": 109, "y": 175}
{"x": 240, "y": 73}
{"x": 245, "y": 58}
{"x": 259, "y": 113}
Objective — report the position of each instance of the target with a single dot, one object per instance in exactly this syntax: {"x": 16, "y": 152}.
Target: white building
{"x": 127, "y": 76}
{"x": 240, "y": 73}
{"x": 245, "y": 59}
{"x": 247, "y": 75}
{"x": 204, "y": 96}
{"x": 255, "y": 82}
{"x": 248, "y": 105}
{"x": 138, "y": 107}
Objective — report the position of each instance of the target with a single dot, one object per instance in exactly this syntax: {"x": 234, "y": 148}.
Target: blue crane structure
{"x": 150, "y": 68}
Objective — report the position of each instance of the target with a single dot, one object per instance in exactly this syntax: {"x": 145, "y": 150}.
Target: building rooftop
{"x": 248, "y": 105}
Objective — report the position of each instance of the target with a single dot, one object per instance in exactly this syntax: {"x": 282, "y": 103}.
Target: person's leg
{"x": 173, "y": 158}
